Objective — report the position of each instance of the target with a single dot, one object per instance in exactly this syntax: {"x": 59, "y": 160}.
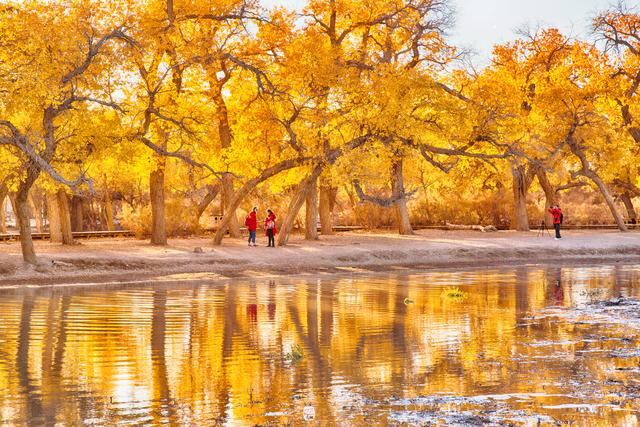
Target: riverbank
{"x": 125, "y": 259}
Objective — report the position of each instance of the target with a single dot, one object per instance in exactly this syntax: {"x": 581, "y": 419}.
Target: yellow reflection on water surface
{"x": 521, "y": 347}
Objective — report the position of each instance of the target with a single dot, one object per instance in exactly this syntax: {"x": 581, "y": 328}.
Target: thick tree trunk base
{"x": 65, "y": 218}
{"x": 402, "y": 215}
{"x": 158, "y": 228}
{"x": 520, "y": 188}
{"x": 24, "y": 225}
{"x": 227, "y": 197}
{"x": 311, "y": 212}
{"x": 327, "y": 197}
{"x": 53, "y": 215}
{"x": 628, "y": 204}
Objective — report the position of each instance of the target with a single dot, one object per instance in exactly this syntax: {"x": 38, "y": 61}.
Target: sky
{"x": 482, "y": 23}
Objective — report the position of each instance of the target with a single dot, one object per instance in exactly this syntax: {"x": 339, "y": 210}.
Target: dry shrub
{"x": 179, "y": 217}
{"x": 372, "y": 216}
{"x": 586, "y": 207}
{"x": 136, "y": 220}
{"x": 487, "y": 209}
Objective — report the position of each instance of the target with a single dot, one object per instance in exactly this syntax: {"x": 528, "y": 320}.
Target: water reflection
{"x": 376, "y": 350}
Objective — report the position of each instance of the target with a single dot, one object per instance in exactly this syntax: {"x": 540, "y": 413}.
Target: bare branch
{"x": 385, "y": 202}
{"x": 93, "y": 51}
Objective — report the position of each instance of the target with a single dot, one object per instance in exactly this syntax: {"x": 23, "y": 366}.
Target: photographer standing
{"x": 556, "y": 212}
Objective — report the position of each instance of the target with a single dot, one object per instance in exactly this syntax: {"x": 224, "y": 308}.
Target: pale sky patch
{"x": 480, "y": 24}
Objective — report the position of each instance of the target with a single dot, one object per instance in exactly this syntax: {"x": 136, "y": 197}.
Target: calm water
{"x": 525, "y": 346}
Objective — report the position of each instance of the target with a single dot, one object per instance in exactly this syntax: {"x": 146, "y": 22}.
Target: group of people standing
{"x": 269, "y": 225}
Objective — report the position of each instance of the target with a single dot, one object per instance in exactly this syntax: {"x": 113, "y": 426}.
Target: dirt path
{"x": 129, "y": 259}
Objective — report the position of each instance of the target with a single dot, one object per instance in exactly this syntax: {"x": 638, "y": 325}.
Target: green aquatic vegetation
{"x": 295, "y": 355}
{"x": 454, "y": 294}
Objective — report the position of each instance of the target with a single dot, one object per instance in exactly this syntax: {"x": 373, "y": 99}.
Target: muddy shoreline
{"x": 129, "y": 260}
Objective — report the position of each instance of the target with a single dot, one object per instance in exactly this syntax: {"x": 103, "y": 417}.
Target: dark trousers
{"x": 252, "y": 236}
{"x": 272, "y": 240}
{"x": 557, "y": 227}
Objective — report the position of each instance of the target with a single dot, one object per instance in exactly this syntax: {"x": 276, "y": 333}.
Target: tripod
{"x": 543, "y": 229}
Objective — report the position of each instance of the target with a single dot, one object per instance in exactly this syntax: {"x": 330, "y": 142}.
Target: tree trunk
{"x": 3, "y": 210}
{"x": 108, "y": 211}
{"x": 24, "y": 225}
{"x": 65, "y": 218}
{"x": 3, "y": 216}
{"x": 311, "y": 212}
{"x": 628, "y": 204}
{"x": 92, "y": 215}
{"x": 227, "y": 198}
{"x": 550, "y": 195}
{"x": 53, "y": 214}
{"x": 14, "y": 208}
{"x": 156, "y": 187}
{"x": 326, "y": 206}
{"x": 224, "y": 133}
{"x": 77, "y": 213}
{"x": 296, "y": 203}
{"x": 589, "y": 173}
{"x": 212, "y": 192}
{"x": 617, "y": 216}
{"x": 36, "y": 212}
{"x": 402, "y": 213}
{"x": 520, "y": 188}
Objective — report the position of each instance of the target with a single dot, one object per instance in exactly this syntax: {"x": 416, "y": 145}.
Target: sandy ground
{"x": 123, "y": 260}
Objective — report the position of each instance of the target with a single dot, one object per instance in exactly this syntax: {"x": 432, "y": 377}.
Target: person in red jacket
{"x": 252, "y": 225}
{"x": 270, "y": 226}
{"x": 556, "y": 212}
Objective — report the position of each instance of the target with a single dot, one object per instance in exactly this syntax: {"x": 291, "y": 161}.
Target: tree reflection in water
{"x": 377, "y": 349}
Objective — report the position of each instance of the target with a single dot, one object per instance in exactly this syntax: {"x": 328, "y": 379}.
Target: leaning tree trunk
{"x": 296, "y": 203}
{"x": 326, "y": 206}
{"x": 589, "y": 173}
{"x": 65, "y": 218}
{"x": 628, "y": 204}
{"x": 311, "y": 212}
{"x": 550, "y": 195}
{"x": 617, "y": 216}
{"x": 520, "y": 187}
{"x": 53, "y": 215}
{"x": 24, "y": 224}
{"x": 212, "y": 192}
{"x": 402, "y": 212}
{"x": 156, "y": 189}
{"x": 21, "y": 209}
